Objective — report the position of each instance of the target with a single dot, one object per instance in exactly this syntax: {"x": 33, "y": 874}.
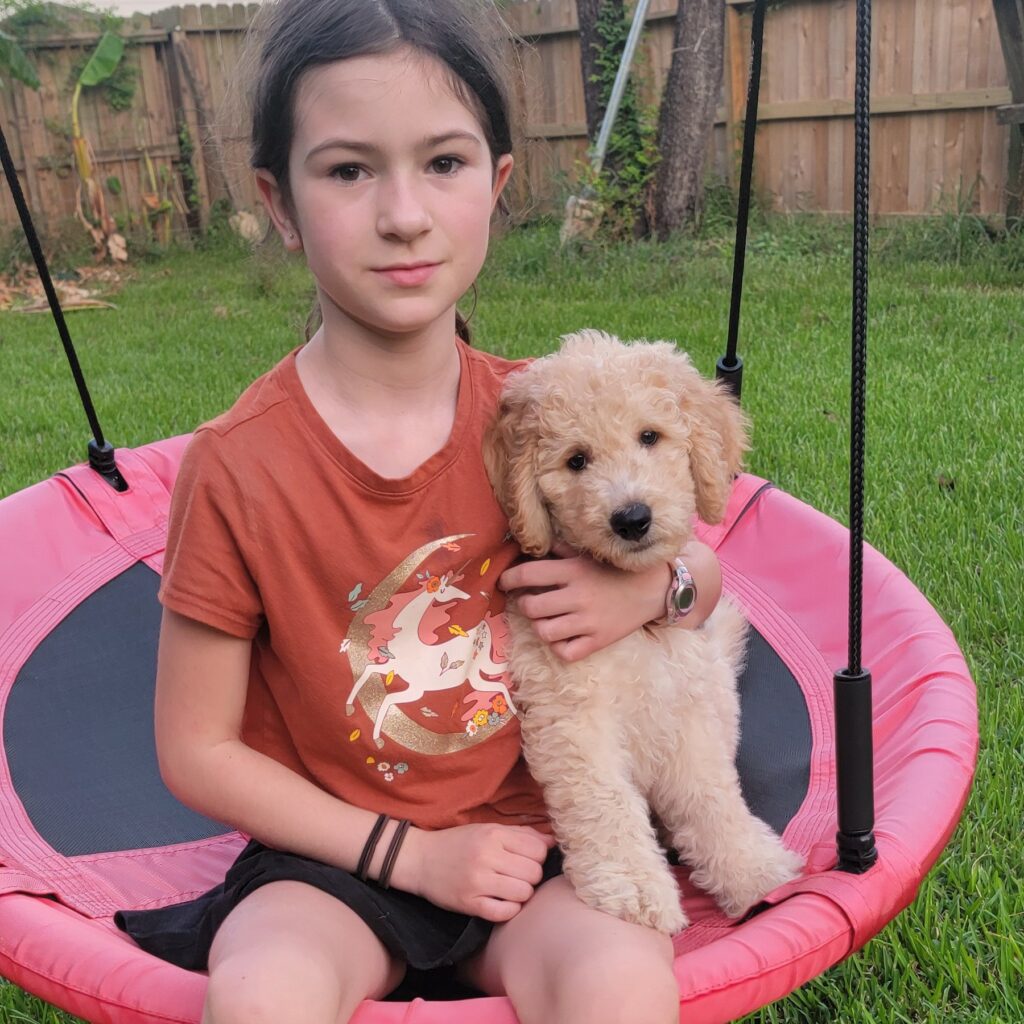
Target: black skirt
{"x": 415, "y": 931}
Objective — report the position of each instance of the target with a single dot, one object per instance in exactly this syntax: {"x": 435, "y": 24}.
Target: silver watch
{"x": 682, "y": 592}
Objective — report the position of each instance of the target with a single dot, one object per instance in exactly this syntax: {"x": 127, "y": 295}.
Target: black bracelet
{"x": 392, "y": 855}
{"x": 363, "y": 868}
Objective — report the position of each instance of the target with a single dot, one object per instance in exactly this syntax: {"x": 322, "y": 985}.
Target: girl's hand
{"x": 579, "y": 606}
{"x": 488, "y": 871}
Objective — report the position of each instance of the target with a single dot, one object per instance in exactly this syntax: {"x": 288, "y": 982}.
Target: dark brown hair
{"x": 288, "y": 37}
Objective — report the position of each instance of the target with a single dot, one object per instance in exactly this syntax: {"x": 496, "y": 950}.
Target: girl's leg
{"x": 292, "y": 954}
{"x": 560, "y": 960}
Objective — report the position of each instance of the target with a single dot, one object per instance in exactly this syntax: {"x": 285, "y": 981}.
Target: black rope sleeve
{"x": 730, "y": 366}
{"x": 101, "y": 453}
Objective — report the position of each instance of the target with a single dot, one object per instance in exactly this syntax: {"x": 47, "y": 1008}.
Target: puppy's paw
{"x": 771, "y": 865}
{"x": 651, "y": 900}
{"x": 667, "y": 917}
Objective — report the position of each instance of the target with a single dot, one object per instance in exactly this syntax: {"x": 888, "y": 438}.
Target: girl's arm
{"x": 584, "y": 605}
{"x": 202, "y": 678}
{"x": 201, "y": 683}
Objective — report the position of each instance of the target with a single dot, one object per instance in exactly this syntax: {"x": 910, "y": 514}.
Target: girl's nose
{"x": 402, "y": 208}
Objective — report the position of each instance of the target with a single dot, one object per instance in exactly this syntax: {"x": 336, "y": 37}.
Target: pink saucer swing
{"x": 88, "y": 828}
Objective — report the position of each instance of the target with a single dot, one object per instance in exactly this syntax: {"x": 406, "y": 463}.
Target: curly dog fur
{"x": 652, "y": 721}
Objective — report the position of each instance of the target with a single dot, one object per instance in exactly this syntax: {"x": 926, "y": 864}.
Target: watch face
{"x": 685, "y": 596}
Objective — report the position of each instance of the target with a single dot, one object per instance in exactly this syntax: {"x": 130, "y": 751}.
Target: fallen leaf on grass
{"x": 42, "y": 306}
{"x": 21, "y": 291}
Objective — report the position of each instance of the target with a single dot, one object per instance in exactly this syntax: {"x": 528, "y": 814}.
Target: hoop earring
{"x": 466, "y": 319}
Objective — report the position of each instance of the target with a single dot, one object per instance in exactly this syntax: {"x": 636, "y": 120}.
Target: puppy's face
{"x": 613, "y": 467}
{"x": 613, "y": 448}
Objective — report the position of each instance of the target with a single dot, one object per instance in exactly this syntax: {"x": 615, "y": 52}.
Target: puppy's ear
{"x": 509, "y": 450}
{"x": 719, "y": 439}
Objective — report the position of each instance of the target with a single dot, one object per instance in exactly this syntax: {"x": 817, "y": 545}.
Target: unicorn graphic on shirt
{"x": 405, "y": 646}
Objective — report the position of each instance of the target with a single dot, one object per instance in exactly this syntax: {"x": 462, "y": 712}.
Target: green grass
{"x": 945, "y": 449}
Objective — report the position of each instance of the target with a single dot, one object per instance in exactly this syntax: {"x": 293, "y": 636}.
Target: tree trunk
{"x": 687, "y": 117}
{"x": 597, "y": 43}
{"x": 591, "y": 44}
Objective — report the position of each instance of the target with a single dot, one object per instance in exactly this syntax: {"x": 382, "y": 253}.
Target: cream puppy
{"x": 614, "y": 448}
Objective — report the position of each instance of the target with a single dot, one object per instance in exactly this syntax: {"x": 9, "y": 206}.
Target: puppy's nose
{"x": 632, "y": 521}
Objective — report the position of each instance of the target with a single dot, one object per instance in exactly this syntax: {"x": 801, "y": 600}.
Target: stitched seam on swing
{"x": 794, "y": 958}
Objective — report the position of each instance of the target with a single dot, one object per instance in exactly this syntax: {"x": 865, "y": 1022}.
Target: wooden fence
{"x": 185, "y": 59}
{"x": 938, "y": 69}
{"x": 938, "y": 75}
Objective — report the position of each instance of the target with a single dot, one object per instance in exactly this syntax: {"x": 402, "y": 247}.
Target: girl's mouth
{"x": 411, "y": 277}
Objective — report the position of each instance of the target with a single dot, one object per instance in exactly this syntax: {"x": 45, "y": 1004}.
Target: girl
{"x": 331, "y": 669}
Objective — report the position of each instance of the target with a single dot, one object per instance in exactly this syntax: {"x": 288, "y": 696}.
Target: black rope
{"x": 101, "y": 452}
{"x": 859, "y": 327}
{"x": 855, "y": 839}
{"x": 730, "y": 366}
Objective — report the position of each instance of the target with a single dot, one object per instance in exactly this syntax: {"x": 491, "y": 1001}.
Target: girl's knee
{"x": 279, "y": 990}
{"x": 290, "y": 952}
{"x": 617, "y": 989}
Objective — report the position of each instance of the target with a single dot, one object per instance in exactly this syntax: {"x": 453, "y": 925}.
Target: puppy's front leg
{"x": 735, "y": 856}
{"x": 602, "y": 823}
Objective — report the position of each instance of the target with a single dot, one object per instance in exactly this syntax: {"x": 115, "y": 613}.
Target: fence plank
{"x": 38, "y": 155}
{"x": 995, "y": 154}
{"x": 964, "y": 99}
{"x": 735, "y": 77}
{"x": 960, "y": 37}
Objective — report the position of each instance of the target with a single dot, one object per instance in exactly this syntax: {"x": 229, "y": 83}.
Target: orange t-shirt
{"x": 379, "y": 641}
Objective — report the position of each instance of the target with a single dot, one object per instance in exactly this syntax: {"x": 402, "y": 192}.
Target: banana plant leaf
{"x": 15, "y": 63}
{"x": 104, "y": 60}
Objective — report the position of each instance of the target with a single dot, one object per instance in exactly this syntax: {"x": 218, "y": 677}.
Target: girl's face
{"x": 386, "y": 167}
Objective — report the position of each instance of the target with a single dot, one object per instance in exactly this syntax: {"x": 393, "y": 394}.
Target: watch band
{"x": 682, "y": 592}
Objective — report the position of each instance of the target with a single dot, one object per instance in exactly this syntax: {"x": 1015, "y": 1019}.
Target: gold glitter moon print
{"x": 412, "y": 650}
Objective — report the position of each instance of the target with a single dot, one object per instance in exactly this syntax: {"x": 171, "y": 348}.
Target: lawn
{"x": 945, "y": 447}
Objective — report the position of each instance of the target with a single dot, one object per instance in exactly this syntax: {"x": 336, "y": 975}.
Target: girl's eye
{"x": 577, "y": 462}
{"x": 339, "y": 171}
{"x": 648, "y": 437}
{"x": 453, "y": 160}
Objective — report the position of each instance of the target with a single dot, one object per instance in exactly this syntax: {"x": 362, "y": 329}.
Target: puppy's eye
{"x": 648, "y": 437}
{"x": 577, "y": 462}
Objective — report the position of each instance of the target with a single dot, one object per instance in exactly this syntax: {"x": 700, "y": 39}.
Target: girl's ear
{"x": 509, "y": 450}
{"x": 278, "y": 209}
{"x": 502, "y": 172}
